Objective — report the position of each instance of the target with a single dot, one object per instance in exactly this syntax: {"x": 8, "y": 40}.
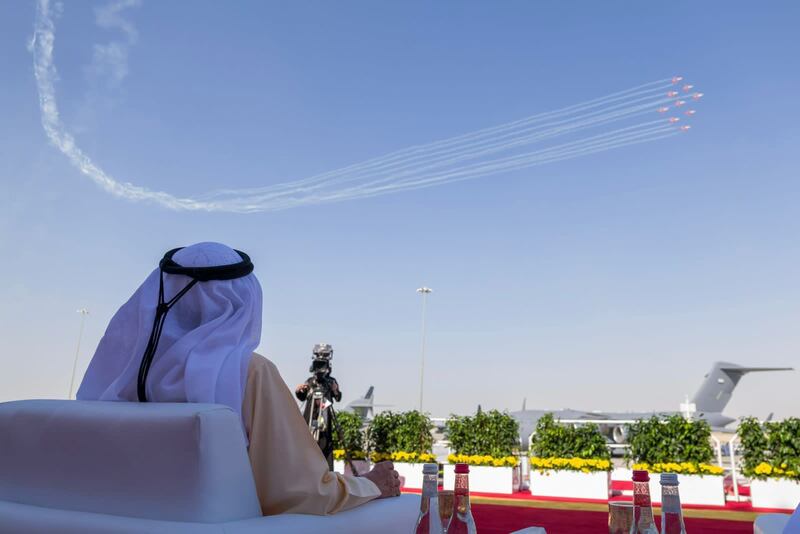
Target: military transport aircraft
{"x": 707, "y": 404}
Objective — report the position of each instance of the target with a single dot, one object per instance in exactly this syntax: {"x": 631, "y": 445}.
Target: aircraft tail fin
{"x": 717, "y": 388}
{"x": 365, "y": 406}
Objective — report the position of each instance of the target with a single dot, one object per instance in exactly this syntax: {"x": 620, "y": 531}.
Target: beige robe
{"x": 290, "y": 471}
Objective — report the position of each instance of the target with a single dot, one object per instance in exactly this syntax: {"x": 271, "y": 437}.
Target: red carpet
{"x": 499, "y": 519}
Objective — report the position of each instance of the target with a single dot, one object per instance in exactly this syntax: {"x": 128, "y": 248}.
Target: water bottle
{"x": 462, "y": 521}
{"x": 643, "y": 522}
{"x": 429, "y": 521}
{"x": 671, "y": 515}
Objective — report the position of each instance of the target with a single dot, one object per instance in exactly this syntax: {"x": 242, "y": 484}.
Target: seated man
{"x": 203, "y": 352}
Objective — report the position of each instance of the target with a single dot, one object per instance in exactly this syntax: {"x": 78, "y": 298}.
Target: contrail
{"x": 45, "y": 73}
{"x": 440, "y": 159}
{"x": 402, "y": 177}
{"x": 550, "y": 155}
{"x": 463, "y": 157}
{"x": 468, "y": 141}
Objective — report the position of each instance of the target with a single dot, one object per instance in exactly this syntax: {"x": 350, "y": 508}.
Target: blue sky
{"x": 607, "y": 282}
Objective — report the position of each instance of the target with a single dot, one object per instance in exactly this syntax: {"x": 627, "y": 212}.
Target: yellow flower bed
{"x": 403, "y": 457}
{"x": 585, "y": 465}
{"x": 686, "y": 468}
{"x": 338, "y": 454}
{"x": 766, "y": 469}
{"x": 491, "y": 461}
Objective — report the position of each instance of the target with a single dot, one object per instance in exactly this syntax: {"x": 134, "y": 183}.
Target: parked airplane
{"x": 714, "y": 394}
{"x": 365, "y": 406}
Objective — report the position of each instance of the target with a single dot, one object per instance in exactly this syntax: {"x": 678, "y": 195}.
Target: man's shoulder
{"x": 261, "y": 364}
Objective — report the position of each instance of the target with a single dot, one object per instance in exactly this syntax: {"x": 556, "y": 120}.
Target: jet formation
{"x": 678, "y": 100}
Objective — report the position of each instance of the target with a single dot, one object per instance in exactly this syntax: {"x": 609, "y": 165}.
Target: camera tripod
{"x": 323, "y": 409}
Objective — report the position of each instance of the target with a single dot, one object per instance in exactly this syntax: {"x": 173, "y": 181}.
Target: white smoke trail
{"x": 572, "y": 149}
{"x": 461, "y": 142}
{"x": 549, "y": 155}
{"x": 400, "y": 178}
{"x": 112, "y": 58}
{"x": 445, "y": 161}
{"x": 432, "y": 162}
{"x": 45, "y": 73}
{"x": 246, "y": 206}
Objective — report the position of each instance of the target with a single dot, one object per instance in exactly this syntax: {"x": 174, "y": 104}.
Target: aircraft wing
{"x": 740, "y": 369}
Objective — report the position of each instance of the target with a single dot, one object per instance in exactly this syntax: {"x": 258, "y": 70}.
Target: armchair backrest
{"x": 167, "y": 461}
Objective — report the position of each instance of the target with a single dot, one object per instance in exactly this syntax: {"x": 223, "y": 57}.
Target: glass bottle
{"x": 643, "y": 522}
{"x": 671, "y": 515}
{"x": 446, "y": 500}
{"x": 462, "y": 521}
{"x": 429, "y": 521}
{"x": 620, "y": 517}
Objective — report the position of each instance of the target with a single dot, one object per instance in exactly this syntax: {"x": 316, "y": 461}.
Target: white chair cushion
{"x": 162, "y": 461}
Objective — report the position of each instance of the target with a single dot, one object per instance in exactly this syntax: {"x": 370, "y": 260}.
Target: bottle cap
{"x": 669, "y": 479}
{"x": 430, "y": 469}
{"x": 462, "y": 469}
{"x": 640, "y": 475}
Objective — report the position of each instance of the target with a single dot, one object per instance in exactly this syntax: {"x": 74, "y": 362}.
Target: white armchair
{"x": 113, "y": 467}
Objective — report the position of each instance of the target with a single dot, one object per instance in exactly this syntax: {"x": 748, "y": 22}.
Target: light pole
{"x": 84, "y": 312}
{"x": 424, "y": 292}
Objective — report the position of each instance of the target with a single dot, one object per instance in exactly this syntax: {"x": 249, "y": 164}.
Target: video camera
{"x": 321, "y": 361}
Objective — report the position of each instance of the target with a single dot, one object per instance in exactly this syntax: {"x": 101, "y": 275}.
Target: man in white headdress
{"x": 187, "y": 335}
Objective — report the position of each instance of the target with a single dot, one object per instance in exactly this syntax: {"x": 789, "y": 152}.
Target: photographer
{"x": 320, "y": 380}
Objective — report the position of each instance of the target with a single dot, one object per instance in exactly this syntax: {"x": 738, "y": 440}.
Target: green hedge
{"x": 771, "y": 450}
{"x": 400, "y": 432}
{"x": 352, "y": 427}
{"x": 554, "y": 440}
{"x": 670, "y": 440}
{"x": 486, "y": 433}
